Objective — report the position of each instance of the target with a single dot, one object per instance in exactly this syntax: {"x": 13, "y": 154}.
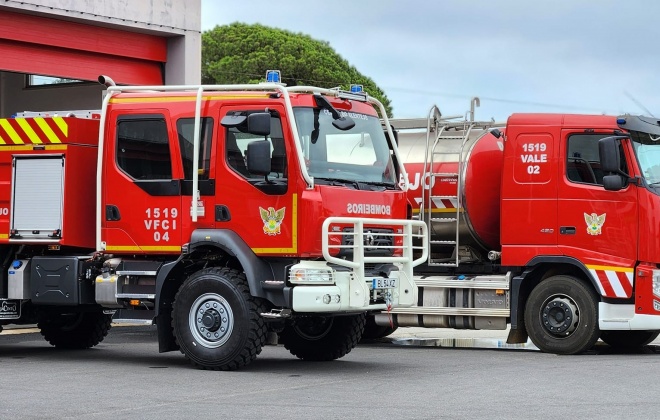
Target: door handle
{"x": 222, "y": 214}
{"x": 112, "y": 213}
{"x": 567, "y": 230}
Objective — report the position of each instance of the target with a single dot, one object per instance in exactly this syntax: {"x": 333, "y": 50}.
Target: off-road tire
{"x": 76, "y": 330}
{"x": 544, "y": 311}
{"x": 628, "y": 339}
{"x": 221, "y": 297}
{"x": 323, "y": 339}
{"x": 373, "y": 331}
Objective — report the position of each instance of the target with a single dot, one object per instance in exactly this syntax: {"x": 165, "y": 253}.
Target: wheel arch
{"x": 234, "y": 247}
{"x": 232, "y": 252}
{"x": 537, "y": 270}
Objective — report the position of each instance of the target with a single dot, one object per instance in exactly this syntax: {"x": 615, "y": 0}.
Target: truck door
{"x": 141, "y": 191}
{"x": 529, "y": 194}
{"x": 596, "y": 226}
{"x": 262, "y": 210}
{"x": 185, "y": 129}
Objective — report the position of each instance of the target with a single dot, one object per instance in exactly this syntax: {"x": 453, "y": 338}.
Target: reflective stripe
{"x": 142, "y": 248}
{"x": 52, "y": 137}
{"x": 28, "y": 131}
{"x": 615, "y": 282}
{"x": 62, "y": 125}
{"x": 40, "y": 131}
{"x": 13, "y": 135}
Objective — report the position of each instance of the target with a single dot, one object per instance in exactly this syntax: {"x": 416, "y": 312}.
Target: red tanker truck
{"x": 548, "y": 223}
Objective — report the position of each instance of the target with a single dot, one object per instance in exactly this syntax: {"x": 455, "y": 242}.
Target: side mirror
{"x": 259, "y": 123}
{"x": 341, "y": 123}
{"x": 258, "y": 156}
{"x": 608, "y": 149}
{"x": 614, "y": 182}
{"x": 232, "y": 120}
{"x": 344, "y": 123}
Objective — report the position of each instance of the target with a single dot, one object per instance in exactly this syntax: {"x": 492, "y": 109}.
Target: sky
{"x": 575, "y": 56}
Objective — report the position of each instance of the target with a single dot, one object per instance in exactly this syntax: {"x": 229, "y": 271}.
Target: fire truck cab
{"x": 219, "y": 213}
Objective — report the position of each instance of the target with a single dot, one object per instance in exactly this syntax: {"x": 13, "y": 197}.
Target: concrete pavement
{"x": 404, "y": 336}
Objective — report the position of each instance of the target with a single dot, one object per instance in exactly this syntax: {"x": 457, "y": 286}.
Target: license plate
{"x": 382, "y": 283}
{"x": 10, "y": 309}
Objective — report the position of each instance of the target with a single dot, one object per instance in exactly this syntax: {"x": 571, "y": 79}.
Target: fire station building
{"x": 52, "y": 51}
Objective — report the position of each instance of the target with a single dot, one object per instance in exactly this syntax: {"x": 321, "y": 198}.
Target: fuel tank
{"x": 467, "y": 189}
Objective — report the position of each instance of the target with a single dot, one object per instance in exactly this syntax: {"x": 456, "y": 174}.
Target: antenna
{"x": 639, "y": 104}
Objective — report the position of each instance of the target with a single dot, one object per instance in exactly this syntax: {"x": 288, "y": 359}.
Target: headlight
{"x": 656, "y": 283}
{"x": 311, "y": 276}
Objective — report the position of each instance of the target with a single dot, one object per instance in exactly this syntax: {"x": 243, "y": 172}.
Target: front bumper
{"x": 353, "y": 294}
{"x": 350, "y": 289}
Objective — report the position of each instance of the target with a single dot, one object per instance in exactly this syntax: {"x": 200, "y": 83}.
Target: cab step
{"x": 134, "y": 316}
{"x": 277, "y": 314}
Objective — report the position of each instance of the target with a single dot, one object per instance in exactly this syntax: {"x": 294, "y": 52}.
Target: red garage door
{"x": 51, "y": 47}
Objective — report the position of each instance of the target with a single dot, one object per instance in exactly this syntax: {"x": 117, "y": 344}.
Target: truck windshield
{"x": 358, "y": 155}
{"x": 647, "y": 150}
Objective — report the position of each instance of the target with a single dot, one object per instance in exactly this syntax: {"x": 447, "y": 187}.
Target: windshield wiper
{"x": 359, "y": 185}
{"x": 387, "y": 185}
{"x": 338, "y": 182}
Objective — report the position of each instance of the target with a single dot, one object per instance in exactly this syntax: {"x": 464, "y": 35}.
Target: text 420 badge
{"x": 10, "y": 309}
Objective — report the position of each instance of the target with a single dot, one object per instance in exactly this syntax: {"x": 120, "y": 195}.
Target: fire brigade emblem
{"x": 594, "y": 223}
{"x": 272, "y": 220}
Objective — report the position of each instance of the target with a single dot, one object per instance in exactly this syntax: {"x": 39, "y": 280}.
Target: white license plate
{"x": 381, "y": 283}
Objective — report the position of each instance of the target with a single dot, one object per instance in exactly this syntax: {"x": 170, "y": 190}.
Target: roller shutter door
{"x": 37, "y": 201}
{"x": 52, "y": 47}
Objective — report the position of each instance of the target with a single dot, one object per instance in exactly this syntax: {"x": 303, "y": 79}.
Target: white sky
{"x": 585, "y": 56}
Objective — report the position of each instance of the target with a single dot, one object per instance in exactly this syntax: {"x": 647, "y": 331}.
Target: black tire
{"x": 373, "y": 331}
{"x": 76, "y": 330}
{"x": 628, "y": 339}
{"x": 229, "y": 331}
{"x": 561, "y": 315}
{"x": 321, "y": 339}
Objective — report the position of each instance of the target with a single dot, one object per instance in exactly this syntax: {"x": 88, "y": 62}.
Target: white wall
{"x": 162, "y": 16}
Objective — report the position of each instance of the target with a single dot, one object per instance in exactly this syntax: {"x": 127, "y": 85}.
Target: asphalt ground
{"x": 125, "y": 377}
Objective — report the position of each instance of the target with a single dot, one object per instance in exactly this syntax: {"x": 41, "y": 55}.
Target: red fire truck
{"x": 548, "y": 223}
{"x": 220, "y": 213}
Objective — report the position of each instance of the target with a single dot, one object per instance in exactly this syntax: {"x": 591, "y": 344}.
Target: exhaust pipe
{"x": 107, "y": 81}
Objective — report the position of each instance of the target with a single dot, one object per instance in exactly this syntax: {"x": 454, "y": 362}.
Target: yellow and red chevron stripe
{"x": 37, "y": 130}
{"x": 615, "y": 282}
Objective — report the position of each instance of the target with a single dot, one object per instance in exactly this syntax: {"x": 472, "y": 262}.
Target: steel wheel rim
{"x": 560, "y": 315}
{"x": 211, "y": 320}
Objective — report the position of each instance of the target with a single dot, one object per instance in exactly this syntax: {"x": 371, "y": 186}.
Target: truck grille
{"x": 377, "y": 242}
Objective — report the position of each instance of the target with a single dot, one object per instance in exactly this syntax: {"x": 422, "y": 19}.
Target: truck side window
{"x": 237, "y": 140}
{"x": 143, "y": 150}
{"x": 185, "y": 128}
{"x": 583, "y": 160}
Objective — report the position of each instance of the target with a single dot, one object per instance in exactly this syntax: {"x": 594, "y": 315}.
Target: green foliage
{"x": 241, "y": 53}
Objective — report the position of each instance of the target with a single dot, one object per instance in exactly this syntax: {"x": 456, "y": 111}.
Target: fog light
{"x": 327, "y": 299}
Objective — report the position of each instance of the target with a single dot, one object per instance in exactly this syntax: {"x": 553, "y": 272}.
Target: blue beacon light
{"x": 356, "y": 88}
{"x": 273, "y": 76}
{"x": 621, "y": 121}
